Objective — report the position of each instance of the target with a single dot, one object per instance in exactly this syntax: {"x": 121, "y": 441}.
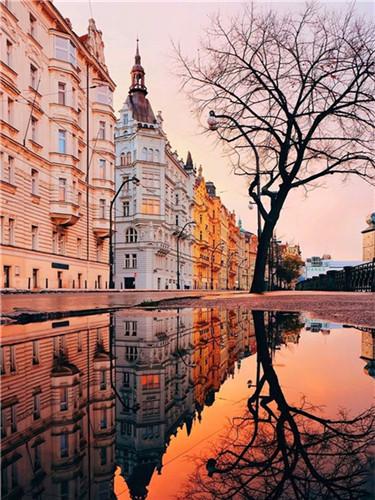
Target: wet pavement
{"x": 210, "y": 402}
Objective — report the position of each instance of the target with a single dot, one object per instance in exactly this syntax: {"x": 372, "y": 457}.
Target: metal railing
{"x": 350, "y": 279}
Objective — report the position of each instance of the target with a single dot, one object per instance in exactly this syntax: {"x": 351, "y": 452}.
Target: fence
{"x": 350, "y": 279}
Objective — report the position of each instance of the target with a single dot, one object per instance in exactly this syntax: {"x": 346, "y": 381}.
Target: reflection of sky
{"x": 325, "y": 211}
{"x": 327, "y": 369}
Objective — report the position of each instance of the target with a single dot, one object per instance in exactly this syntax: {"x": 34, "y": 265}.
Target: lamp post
{"x": 135, "y": 181}
{"x": 231, "y": 254}
{"x": 213, "y": 124}
{"x": 239, "y": 268}
{"x": 213, "y": 250}
{"x": 179, "y": 235}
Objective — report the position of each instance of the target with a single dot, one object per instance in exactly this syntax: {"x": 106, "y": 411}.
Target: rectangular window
{"x": 9, "y": 53}
{"x": 54, "y": 242}
{"x": 65, "y": 50}
{"x": 33, "y": 76}
{"x": 104, "y": 95}
{"x": 34, "y": 129}
{"x": 62, "y": 189}
{"x": 63, "y": 399}
{"x": 102, "y": 169}
{"x": 126, "y": 379}
{"x": 150, "y": 381}
{"x": 134, "y": 260}
{"x": 10, "y": 111}
{"x": 103, "y": 380}
{"x": 102, "y": 208}
{"x": 36, "y": 409}
{"x": 127, "y": 261}
{"x": 61, "y": 93}
{"x": 103, "y": 419}
{"x": 34, "y": 181}
{"x": 11, "y": 231}
{"x": 101, "y": 132}
{"x": 79, "y": 247}
{"x": 64, "y": 445}
{"x": 1, "y": 229}
{"x": 35, "y": 352}
{"x": 32, "y": 20}
{"x": 11, "y": 171}
{"x": 130, "y": 328}
{"x": 103, "y": 456}
{"x": 125, "y": 208}
{"x": 61, "y": 243}
{"x": 34, "y": 237}
{"x": 13, "y": 419}
{"x": 150, "y": 206}
{"x": 37, "y": 460}
{"x": 177, "y": 220}
{"x": 62, "y": 141}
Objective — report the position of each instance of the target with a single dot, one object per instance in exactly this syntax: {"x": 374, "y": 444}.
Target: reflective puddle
{"x": 189, "y": 403}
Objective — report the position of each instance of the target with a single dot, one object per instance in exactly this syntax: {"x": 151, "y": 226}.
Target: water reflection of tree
{"x": 280, "y": 450}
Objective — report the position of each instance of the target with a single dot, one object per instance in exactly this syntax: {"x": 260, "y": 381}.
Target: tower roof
{"x": 137, "y": 74}
{"x": 136, "y": 101}
{"x": 189, "y": 162}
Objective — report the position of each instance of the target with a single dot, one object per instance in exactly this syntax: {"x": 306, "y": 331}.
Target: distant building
{"x": 368, "y": 242}
{"x": 320, "y": 265}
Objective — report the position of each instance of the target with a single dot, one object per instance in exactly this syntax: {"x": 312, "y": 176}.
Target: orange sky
{"x": 328, "y": 221}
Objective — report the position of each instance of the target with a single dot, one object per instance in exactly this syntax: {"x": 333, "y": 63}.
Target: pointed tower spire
{"x": 137, "y": 74}
{"x": 189, "y": 162}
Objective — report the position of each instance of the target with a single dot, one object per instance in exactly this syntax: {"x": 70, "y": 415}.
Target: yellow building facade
{"x": 223, "y": 253}
{"x": 57, "y": 160}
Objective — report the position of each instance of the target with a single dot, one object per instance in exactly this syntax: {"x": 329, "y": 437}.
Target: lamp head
{"x": 212, "y": 121}
{"x": 135, "y": 180}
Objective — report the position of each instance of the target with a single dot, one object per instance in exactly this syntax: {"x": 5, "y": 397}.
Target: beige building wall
{"x": 50, "y": 236}
{"x": 368, "y": 253}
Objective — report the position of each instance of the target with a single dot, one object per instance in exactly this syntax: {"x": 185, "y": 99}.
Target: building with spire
{"x": 150, "y": 216}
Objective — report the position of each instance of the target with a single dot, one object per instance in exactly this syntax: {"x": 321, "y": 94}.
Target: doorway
{"x": 59, "y": 279}
{"x": 79, "y": 280}
{"x": 129, "y": 283}
{"x": 6, "y": 276}
{"x": 35, "y": 278}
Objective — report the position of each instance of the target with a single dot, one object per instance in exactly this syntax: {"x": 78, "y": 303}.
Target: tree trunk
{"x": 258, "y": 285}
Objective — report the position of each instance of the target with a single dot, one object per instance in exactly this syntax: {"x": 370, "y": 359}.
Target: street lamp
{"x": 239, "y": 268}
{"x": 213, "y": 124}
{"x": 231, "y": 254}
{"x": 135, "y": 181}
{"x": 213, "y": 250}
{"x": 179, "y": 235}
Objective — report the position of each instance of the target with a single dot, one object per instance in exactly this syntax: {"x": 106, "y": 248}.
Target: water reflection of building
{"x": 57, "y": 410}
{"x": 368, "y": 350}
{"x": 169, "y": 365}
{"x": 316, "y": 325}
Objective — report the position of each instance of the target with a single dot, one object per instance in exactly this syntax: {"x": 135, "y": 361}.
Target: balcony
{"x": 162, "y": 248}
{"x": 64, "y": 213}
{"x": 101, "y": 227}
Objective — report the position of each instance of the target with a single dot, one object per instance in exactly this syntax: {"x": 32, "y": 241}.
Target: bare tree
{"x": 292, "y": 99}
{"x": 282, "y": 450}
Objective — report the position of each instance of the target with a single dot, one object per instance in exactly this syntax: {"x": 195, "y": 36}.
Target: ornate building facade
{"x": 57, "y": 410}
{"x": 150, "y": 216}
{"x": 57, "y": 160}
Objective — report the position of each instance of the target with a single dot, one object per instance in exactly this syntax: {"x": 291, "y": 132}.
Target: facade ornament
{"x": 94, "y": 42}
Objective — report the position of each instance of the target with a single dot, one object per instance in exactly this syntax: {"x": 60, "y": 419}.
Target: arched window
{"x": 126, "y": 119}
{"x": 157, "y": 155}
{"x": 144, "y": 153}
{"x": 122, "y": 159}
{"x": 128, "y": 158}
{"x": 131, "y": 235}
{"x": 150, "y": 154}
